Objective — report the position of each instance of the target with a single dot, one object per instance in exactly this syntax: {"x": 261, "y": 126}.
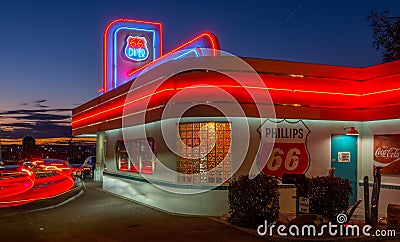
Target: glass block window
{"x": 203, "y": 163}
{"x": 142, "y": 159}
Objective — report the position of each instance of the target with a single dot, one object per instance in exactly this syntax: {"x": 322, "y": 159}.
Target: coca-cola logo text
{"x": 387, "y": 152}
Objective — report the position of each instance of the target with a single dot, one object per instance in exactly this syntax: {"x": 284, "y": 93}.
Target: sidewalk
{"x": 253, "y": 232}
{"x": 277, "y": 238}
{"x": 97, "y": 215}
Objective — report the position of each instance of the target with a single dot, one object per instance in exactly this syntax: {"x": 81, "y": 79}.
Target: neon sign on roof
{"x": 131, "y": 46}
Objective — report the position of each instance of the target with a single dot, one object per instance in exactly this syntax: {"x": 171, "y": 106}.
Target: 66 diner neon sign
{"x": 136, "y": 48}
{"x": 289, "y": 148}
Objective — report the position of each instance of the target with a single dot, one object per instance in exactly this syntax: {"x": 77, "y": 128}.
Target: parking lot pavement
{"x": 100, "y": 216}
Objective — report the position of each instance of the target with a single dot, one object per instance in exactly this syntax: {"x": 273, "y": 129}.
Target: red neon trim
{"x": 211, "y": 37}
{"x": 229, "y": 86}
{"x": 105, "y": 73}
{"x": 219, "y": 86}
{"x": 383, "y": 91}
{"x": 122, "y": 105}
{"x": 279, "y": 89}
{"x": 105, "y": 54}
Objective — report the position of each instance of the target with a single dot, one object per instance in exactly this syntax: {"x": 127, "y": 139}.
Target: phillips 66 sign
{"x": 288, "y": 141}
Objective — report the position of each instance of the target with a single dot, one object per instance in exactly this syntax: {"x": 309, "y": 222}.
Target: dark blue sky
{"x": 51, "y": 51}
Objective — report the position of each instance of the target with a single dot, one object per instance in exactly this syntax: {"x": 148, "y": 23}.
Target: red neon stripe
{"x": 229, "y": 86}
{"x": 295, "y": 94}
{"x": 383, "y": 91}
{"x": 105, "y": 54}
{"x": 176, "y": 89}
{"x": 121, "y": 106}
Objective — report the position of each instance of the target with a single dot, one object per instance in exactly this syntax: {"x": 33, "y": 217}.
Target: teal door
{"x": 344, "y": 160}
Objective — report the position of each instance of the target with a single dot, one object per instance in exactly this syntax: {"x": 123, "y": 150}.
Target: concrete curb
{"x": 144, "y": 204}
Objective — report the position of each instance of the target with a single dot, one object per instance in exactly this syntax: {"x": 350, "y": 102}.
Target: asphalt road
{"x": 100, "y": 216}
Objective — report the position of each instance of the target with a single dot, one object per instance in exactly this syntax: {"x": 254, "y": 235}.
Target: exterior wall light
{"x": 351, "y": 131}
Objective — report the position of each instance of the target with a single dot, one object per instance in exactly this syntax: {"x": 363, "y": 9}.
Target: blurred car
{"x": 76, "y": 169}
{"x": 48, "y": 165}
{"x": 52, "y": 164}
{"x": 88, "y": 167}
{"x": 28, "y": 164}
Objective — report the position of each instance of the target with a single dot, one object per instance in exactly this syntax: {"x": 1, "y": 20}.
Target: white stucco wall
{"x": 366, "y": 151}
{"x": 319, "y": 146}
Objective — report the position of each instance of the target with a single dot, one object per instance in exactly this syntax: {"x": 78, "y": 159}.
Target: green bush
{"x": 328, "y": 196}
{"x": 253, "y": 201}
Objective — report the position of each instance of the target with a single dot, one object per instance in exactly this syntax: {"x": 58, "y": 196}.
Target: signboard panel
{"x": 129, "y": 45}
{"x": 133, "y": 48}
{"x": 387, "y": 153}
{"x": 304, "y": 205}
{"x": 289, "y": 148}
{"x": 344, "y": 156}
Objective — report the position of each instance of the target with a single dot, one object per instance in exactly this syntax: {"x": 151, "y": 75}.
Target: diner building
{"x": 322, "y": 117}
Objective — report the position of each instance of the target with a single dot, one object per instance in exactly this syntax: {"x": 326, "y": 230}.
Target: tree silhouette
{"x": 386, "y": 34}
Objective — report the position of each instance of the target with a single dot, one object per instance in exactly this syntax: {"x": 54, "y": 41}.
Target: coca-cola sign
{"x": 387, "y": 153}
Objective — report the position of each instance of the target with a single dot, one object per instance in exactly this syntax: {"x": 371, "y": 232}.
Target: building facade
{"x": 315, "y": 109}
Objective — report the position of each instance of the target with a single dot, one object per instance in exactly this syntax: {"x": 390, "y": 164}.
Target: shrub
{"x": 328, "y": 196}
{"x": 253, "y": 201}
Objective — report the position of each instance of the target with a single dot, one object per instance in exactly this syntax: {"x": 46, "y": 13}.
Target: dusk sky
{"x": 51, "y": 51}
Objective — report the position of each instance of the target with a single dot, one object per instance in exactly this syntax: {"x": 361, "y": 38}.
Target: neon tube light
{"x": 383, "y": 91}
{"x": 187, "y": 53}
{"x": 106, "y": 44}
{"x": 115, "y": 47}
{"x": 121, "y": 106}
{"x": 232, "y": 86}
{"x": 211, "y": 38}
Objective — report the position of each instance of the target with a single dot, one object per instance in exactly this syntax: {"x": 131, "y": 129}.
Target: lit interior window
{"x": 209, "y": 163}
{"x": 140, "y": 159}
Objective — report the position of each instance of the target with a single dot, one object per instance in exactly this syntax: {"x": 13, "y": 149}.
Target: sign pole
{"x": 367, "y": 212}
{"x": 375, "y": 197}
